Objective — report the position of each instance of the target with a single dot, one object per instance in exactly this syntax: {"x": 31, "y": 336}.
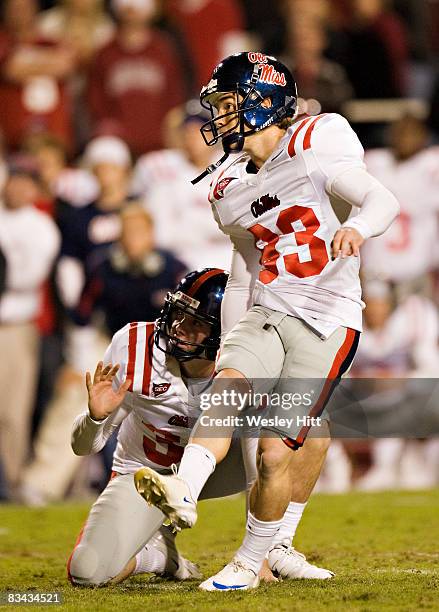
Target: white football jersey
{"x": 159, "y": 411}
{"x": 181, "y": 212}
{"x": 286, "y": 210}
{"x": 405, "y": 345}
{"x": 409, "y": 248}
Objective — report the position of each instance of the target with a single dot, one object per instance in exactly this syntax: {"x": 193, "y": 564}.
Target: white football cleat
{"x": 170, "y": 494}
{"x": 286, "y": 562}
{"x": 176, "y": 565}
{"x": 234, "y": 577}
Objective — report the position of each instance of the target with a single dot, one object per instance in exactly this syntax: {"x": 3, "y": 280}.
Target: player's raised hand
{"x": 346, "y": 242}
{"x": 102, "y": 398}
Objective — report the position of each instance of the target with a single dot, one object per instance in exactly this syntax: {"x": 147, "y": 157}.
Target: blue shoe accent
{"x": 224, "y": 587}
{"x": 188, "y": 501}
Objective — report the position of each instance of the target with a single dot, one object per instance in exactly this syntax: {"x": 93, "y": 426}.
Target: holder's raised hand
{"x": 103, "y": 400}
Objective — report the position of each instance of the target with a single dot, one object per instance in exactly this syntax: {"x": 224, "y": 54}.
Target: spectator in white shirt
{"x": 181, "y": 211}
{"x": 30, "y": 242}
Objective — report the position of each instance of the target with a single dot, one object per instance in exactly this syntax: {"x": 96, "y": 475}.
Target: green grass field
{"x": 383, "y": 547}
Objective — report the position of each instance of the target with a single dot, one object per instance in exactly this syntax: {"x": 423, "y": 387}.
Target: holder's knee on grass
{"x": 86, "y": 568}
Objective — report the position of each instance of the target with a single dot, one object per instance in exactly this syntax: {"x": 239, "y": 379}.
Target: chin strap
{"x": 210, "y": 169}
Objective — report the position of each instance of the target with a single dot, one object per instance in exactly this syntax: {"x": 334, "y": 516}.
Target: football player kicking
{"x": 297, "y": 203}
{"x": 149, "y": 384}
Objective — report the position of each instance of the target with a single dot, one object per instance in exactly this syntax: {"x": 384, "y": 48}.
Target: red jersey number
{"x": 305, "y": 226}
{"x": 170, "y": 452}
{"x": 400, "y": 233}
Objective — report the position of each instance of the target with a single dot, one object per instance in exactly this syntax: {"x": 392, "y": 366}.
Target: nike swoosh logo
{"x": 224, "y": 587}
{"x": 188, "y": 501}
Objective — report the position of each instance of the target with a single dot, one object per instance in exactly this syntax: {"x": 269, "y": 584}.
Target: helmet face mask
{"x": 196, "y": 305}
{"x": 214, "y": 130}
{"x": 251, "y": 78}
{"x": 177, "y": 309}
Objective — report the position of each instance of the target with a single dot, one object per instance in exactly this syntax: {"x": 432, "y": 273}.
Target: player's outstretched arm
{"x": 378, "y": 209}
{"x": 103, "y": 399}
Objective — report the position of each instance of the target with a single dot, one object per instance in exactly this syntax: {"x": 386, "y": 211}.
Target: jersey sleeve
{"x": 133, "y": 348}
{"x": 117, "y": 353}
{"x": 90, "y": 436}
{"x": 335, "y": 146}
{"x": 378, "y": 206}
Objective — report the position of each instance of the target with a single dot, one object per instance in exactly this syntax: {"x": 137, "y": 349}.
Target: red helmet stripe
{"x": 202, "y": 279}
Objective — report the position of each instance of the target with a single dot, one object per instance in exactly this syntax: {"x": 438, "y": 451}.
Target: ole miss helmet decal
{"x": 252, "y": 77}
{"x": 218, "y": 191}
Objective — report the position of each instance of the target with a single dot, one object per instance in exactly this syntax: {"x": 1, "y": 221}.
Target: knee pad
{"x": 84, "y": 567}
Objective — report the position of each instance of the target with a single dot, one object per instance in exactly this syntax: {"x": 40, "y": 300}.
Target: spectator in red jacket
{"x": 211, "y": 30}
{"x": 322, "y": 83}
{"x": 135, "y": 79}
{"x": 376, "y": 50}
{"x": 32, "y": 77}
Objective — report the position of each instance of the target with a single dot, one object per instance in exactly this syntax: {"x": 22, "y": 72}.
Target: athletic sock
{"x": 197, "y": 464}
{"x": 150, "y": 560}
{"x": 290, "y": 521}
{"x": 257, "y": 541}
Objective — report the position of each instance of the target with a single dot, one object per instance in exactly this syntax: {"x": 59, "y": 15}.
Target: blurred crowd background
{"x": 99, "y": 133}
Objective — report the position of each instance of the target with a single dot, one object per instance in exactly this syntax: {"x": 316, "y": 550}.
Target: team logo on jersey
{"x": 218, "y": 191}
{"x": 159, "y": 388}
{"x": 264, "y": 203}
{"x": 179, "y": 421}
